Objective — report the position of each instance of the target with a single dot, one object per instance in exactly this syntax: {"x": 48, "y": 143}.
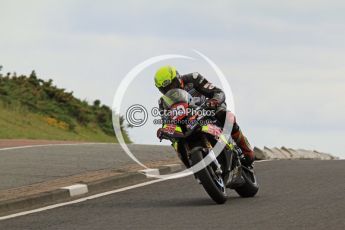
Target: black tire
{"x": 251, "y": 187}
{"x": 206, "y": 180}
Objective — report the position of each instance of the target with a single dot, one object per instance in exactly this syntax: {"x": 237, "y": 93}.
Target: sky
{"x": 284, "y": 60}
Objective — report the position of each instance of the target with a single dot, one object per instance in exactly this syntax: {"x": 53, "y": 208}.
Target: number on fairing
{"x": 180, "y": 111}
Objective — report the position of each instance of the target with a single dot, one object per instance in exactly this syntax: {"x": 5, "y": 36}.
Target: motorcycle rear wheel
{"x": 250, "y": 187}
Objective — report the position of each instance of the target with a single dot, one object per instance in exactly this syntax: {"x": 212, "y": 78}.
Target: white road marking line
{"x": 48, "y": 145}
{"x": 150, "y": 172}
{"x": 76, "y": 189}
{"x": 264, "y": 160}
{"x": 80, "y": 200}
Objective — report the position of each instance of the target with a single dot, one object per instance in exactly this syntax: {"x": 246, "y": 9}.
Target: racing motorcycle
{"x": 194, "y": 135}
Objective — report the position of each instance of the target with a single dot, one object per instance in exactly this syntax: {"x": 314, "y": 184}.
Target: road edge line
{"x": 81, "y": 190}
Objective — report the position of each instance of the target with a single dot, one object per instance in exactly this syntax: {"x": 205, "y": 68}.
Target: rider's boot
{"x": 242, "y": 142}
{"x": 237, "y": 136}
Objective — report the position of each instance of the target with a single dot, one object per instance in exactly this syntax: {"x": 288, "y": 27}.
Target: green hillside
{"x": 36, "y": 109}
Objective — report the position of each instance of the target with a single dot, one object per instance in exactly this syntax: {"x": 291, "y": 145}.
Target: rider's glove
{"x": 159, "y": 133}
{"x": 212, "y": 103}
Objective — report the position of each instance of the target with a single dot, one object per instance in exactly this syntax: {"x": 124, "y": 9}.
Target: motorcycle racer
{"x": 167, "y": 78}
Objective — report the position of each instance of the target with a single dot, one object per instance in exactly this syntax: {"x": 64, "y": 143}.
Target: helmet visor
{"x": 174, "y": 84}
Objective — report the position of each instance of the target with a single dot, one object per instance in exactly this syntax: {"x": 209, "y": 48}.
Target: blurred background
{"x": 285, "y": 60}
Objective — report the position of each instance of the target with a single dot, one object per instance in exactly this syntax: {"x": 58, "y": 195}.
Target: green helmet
{"x": 167, "y": 78}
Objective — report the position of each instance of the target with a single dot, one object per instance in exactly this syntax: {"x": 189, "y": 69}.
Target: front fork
{"x": 235, "y": 178}
{"x": 213, "y": 157}
{"x": 215, "y": 161}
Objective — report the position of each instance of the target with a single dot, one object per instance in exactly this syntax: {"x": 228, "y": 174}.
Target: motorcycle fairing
{"x": 217, "y": 132}
{"x": 172, "y": 130}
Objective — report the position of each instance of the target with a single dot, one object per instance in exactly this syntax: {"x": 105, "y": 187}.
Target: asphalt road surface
{"x": 293, "y": 195}
{"x": 19, "y": 167}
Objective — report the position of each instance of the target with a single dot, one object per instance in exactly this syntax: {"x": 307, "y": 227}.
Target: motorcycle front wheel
{"x": 212, "y": 183}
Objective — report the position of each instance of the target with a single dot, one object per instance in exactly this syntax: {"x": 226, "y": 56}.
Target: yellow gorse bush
{"x": 59, "y": 124}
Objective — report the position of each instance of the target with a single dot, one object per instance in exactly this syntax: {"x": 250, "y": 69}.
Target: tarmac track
{"x": 304, "y": 194}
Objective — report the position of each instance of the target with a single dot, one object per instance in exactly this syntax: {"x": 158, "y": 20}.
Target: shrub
{"x": 62, "y": 108}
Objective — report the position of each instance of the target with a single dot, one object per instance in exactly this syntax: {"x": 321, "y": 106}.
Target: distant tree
{"x": 97, "y": 103}
{"x": 48, "y": 85}
{"x": 33, "y": 79}
{"x": 33, "y": 74}
{"x": 106, "y": 108}
{"x": 102, "y": 117}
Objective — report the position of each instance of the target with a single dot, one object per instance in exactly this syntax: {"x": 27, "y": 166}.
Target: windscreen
{"x": 175, "y": 96}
